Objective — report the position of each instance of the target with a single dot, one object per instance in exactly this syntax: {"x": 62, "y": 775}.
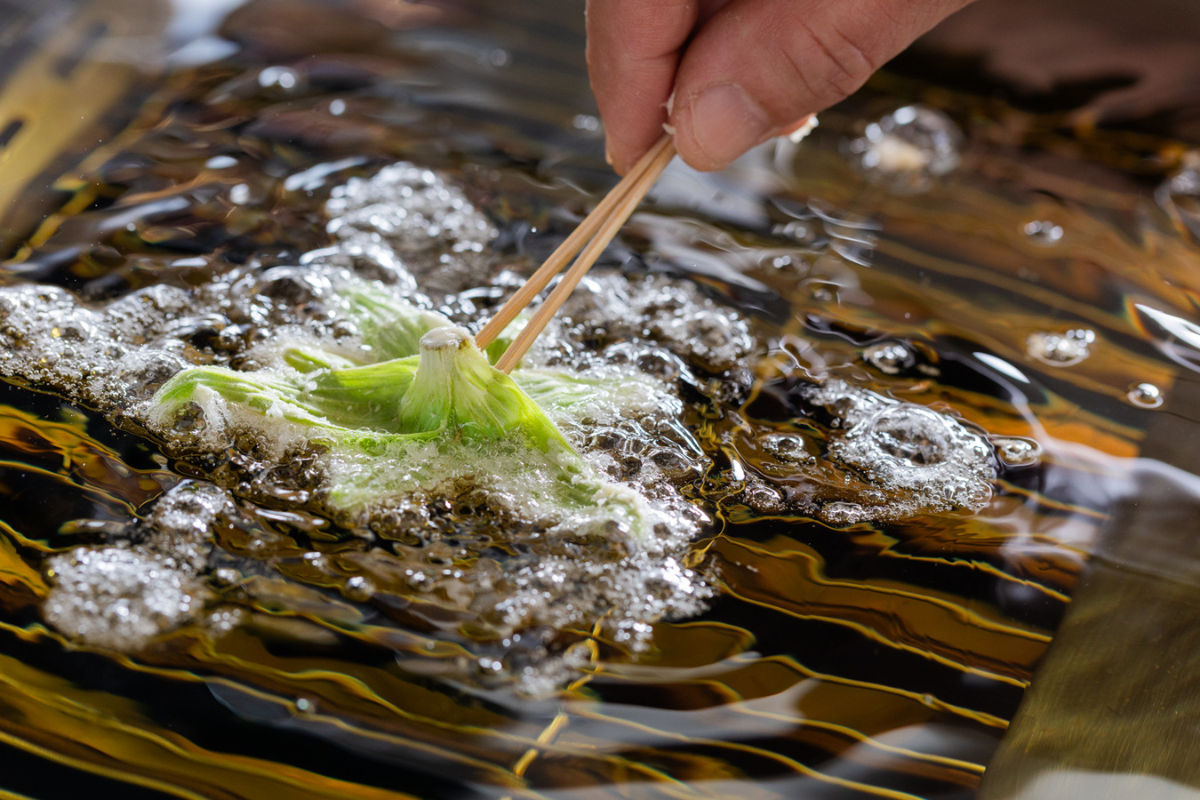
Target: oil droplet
{"x": 1145, "y": 395}
{"x": 359, "y": 588}
{"x": 490, "y": 666}
{"x": 1017, "y": 452}
{"x": 890, "y": 358}
{"x": 226, "y": 576}
{"x": 1060, "y": 349}
{"x": 1043, "y": 232}
{"x": 284, "y": 78}
{"x": 305, "y": 706}
{"x": 586, "y": 122}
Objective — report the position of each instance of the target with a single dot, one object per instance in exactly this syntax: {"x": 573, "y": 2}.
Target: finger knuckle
{"x": 845, "y": 62}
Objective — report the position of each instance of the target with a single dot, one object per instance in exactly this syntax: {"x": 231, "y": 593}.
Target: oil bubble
{"x": 359, "y": 589}
{"x": 788, "y": 448}
{"x": 906, "y": 149}
{"x": 119, "y": 598}
{"x": 1043, "y": 232}
{"x": 1017, "y": 452}
{"x": 890, "y": 358}
{"x": 1060, "y": 349}
{"x": 586, "y": 122}
{"x": 226, "y": 576}
{"x": 1145, "y": 395}
{"x": 282, "y": 80}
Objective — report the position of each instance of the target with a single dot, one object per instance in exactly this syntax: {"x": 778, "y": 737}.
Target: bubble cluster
{"x": 148, "y": 582}
{"x": 118, "y": 598}
{"x": 1061, "y": 349}
{"x": 913, "y": 459}
{"x": 106, "y": 357}
{"x": 906, "y": 149}
{"x": 406, "y": 226}
{"x": 655, "y": 309}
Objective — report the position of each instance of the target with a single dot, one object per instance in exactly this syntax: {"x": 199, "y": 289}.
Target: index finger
{"x": 633, "y": 51}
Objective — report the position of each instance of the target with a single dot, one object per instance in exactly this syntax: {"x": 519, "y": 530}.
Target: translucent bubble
{"x": 763, "y": 499}
{"x": 490, "y": 666}
{"x": 1145, "y": 395}
{"x": 800, "y": 231}
{"x": 906, "y": 149}
{"x": 1061, "y": 349}
{"x": 910, "y": 433}
{"x": 890, "y": 358}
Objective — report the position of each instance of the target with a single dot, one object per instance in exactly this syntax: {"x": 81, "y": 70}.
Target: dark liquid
{"x": 862, "y": 660}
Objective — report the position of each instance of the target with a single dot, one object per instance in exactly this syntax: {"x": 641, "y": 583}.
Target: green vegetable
{"x": 431, "y": 388}
{"x": 455, "y": 388}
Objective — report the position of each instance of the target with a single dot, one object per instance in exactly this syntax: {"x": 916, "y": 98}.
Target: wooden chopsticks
{"x": 600, "y": 227}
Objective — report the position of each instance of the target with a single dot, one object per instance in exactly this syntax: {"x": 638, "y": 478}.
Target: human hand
{"x": 741, "y": 71}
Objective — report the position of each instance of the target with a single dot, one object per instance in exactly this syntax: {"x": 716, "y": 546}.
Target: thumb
{"x": 759, "y": 65}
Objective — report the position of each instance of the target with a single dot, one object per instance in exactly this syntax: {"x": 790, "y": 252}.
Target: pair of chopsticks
{"x": 600, "y": 227}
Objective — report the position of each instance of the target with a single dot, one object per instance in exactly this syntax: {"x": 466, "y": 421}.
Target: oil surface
{"x": 941, "y": 330}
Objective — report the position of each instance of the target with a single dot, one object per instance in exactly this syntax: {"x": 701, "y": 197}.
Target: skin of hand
{"x": 738, "y": 72}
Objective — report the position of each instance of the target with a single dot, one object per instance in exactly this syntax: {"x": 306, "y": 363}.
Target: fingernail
{"x": 725, "y": 123}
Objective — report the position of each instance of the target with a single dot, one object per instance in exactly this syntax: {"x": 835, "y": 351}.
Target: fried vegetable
{"x": 436, "y": 389}
{"x": 455, "y": 388}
